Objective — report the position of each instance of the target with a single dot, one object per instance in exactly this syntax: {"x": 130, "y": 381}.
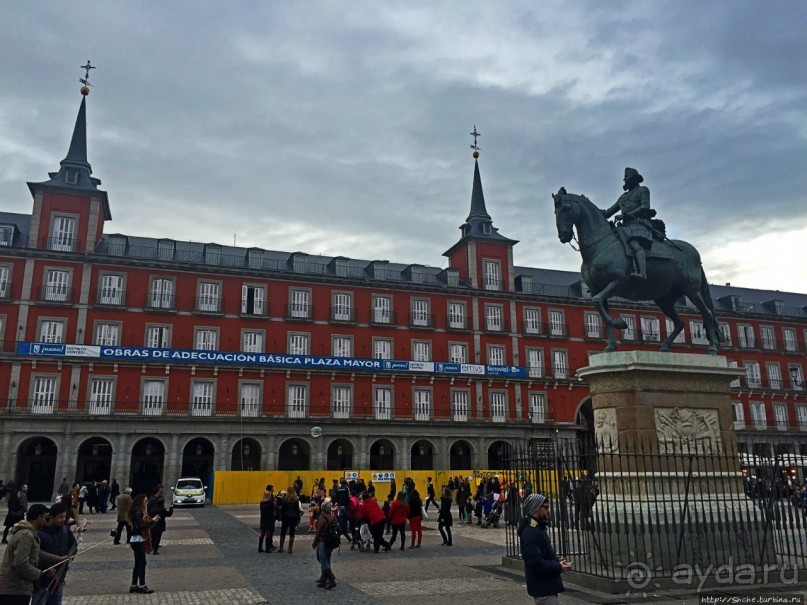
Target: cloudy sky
{"x": 342, "y": 127}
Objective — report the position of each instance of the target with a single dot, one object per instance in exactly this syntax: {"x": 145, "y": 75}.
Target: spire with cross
{"x": 475, "y": 147}
{"x": 86, "y": 79}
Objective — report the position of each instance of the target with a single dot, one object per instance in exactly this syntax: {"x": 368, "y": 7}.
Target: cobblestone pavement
{"x": 209, "y": 556}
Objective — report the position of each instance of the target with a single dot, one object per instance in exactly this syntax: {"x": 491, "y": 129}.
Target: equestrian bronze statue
{"x": 632, "y": 258}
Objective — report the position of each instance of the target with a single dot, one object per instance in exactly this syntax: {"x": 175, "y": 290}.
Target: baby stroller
{"x": 492, "y": 519}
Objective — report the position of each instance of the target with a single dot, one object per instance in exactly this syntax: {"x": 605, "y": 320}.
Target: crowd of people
{"x": 41, "y": 541}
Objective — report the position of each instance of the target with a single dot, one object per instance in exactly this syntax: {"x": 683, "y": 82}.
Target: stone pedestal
{"x": 671, "y": 488}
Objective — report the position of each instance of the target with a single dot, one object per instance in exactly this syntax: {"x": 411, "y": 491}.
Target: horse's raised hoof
{"x": 609, "y": 349}
{"x": 620, "y": 324}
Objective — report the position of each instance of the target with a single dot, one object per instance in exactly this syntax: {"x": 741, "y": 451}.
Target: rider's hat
{"x": 631, "y": 174}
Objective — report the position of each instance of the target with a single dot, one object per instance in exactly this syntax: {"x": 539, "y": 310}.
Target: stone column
{"x": 223, "y": 455}
{"x": 271, "y": 453}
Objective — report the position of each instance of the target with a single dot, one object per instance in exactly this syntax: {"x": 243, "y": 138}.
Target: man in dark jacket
{"x": 542, "y": 567}
{"x": 114, "y": 492}
{"x": 55, "y": 538}
{"x": 23, "y": 560}
{"x": 156, "y": 507}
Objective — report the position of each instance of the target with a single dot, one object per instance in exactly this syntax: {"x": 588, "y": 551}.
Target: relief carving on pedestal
{"x": 605, "y": 432}
{"x": 688, "y": 430}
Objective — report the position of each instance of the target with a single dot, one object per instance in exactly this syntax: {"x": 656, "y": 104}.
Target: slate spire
{"x": 478, "y": 210}
{"x": 77, "y": 154}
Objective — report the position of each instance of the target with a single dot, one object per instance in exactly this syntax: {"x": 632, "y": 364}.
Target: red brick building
{"x": 143, "y": 359}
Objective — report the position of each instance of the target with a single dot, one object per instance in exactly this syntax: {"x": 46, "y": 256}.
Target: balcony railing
{"x": 342, "y": 314}
{"x": 421, "y": 320}
{"x": 255, "y": 309}
{"x": 5, "y": 290}
{"x": 299, "y": 311}
{"x": 383, "y": 318}
{"x": 208, "y": 304}
{"x": 161, "y": 302}
{"x": 55, "y": 294}
{"x": 110, "y": 296}
{"x": 558, "y": 330}
{"x": 533, "y": 328}
{"x": 61, "y": 244}
{"x": 457, "y": 322}
{"x": 279, "y": 411}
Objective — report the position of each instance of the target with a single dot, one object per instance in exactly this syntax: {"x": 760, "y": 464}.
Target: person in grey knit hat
{"x": 542, "y": 568}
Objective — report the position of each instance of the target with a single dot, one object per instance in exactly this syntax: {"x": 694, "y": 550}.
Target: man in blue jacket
{"x": 542, "y": 567}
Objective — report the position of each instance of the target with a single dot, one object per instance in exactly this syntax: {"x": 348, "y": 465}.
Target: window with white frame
{"x": 252, "y": 341}
{"x": 423, "y": 404}
{"x": 593, "y": 325}
{"x": 202, "y": 398}
{"x": 768, "y": 339}
{"x": 341, "y": 401}
{"x": 758, "y": 416}
{"x": 725, "y": 331}
{"x": 342, "y": 306}
{"x": 209, "y": 297}
{"x": 738, "y": 414}
{"x": 560, "y": 364}
{"x": 532, "y": 320}
{"x": 459, "y": 405}
{"x": 382, "y": 348}
{"x": 421, "y": 350}
{"x": 746, "y": 335}
{"x": 297, "y": 400}
{"x": 51, "y": 330}
{"x": 557, "y": 324}
{"x": 801, "y": 415}
{"x": 299, "y": 344}
{"x": 158, "y": 337}
{"x": 111, "y": 292}
{"x": 43, "y": 395}
{"x": 165, "y": 249}
{"x": 670, "y": 326}
{"x": 752, "y": 374}
{"x": 456, "y": 315}
{"x": 629, "y": 332}
{"x": 538, "y": 408}
{"x": 420, "y": 312}
{"x": 153, "y": 397}
{"x": 107, "y": 334}
{"x": 492, "y": 274}
{"x": 789, "y": 337}
{"x": 382, "y": 310}
{"x": 300, "y": 305}
{"x": 736, "y": 382}
{"x": 774, "y": 375}
{"x": 253, "y": 300}
{"x": 458, "y": 352}
{"x": 498, "y": 406}
{"x": 5, "y": 281}
{"x": 382, "y": 403}
{"x": 650, "y": 329}
{"x": 493, "y": 318}
{"x": 57, "y": 285}
{"x": 342, "y": 346}
{"x": 63, "y": 233}
{"x": 796, "y": 377}
{"x": 780, "y": 415}
{"x": 250, "y": 399}
{"x": 496, "y": 355}
{"x": 206, "y": 339}
{"x": 535, "y": 363}
{"x": 161, "y": 293}
{"x": 6, "y": 235}
{"x": 697, "y": 333}
{"x": 100, "y": 396}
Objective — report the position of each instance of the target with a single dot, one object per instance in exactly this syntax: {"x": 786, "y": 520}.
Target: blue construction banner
{"x": 278, "y": 360}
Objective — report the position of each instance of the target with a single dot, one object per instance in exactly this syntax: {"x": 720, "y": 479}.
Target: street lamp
{"x": 339, "y": 450}
{"x": 294, "y": 450}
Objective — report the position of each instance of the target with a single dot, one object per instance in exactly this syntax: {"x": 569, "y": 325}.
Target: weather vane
{"x": 475, "y": 134}
{"x": 86, "y": 79}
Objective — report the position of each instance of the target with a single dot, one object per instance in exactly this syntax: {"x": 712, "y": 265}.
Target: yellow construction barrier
{"x": 247, "y": 487}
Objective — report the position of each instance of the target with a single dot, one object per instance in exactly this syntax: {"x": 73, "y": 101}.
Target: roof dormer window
{"x": 6, "y": 235}
{"x": 71, "y": 176}
{"x": 486, "y": 228}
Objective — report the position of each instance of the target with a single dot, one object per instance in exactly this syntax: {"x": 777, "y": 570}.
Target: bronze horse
{"x": 607, "y": 270}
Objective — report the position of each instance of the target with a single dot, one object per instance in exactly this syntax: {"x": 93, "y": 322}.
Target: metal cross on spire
{"x": 86, "y": 79}
{"x": 475, "y": 135}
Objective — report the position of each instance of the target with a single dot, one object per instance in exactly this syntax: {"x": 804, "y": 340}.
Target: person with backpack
{"x": 325, "y": 541}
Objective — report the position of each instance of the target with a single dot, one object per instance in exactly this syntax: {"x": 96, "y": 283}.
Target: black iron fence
{"x": 652, "y": 512}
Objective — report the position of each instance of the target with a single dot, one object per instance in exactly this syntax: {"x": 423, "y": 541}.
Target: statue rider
{"x": 633, "y": 222}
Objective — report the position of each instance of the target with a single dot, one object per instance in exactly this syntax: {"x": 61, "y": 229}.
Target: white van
{"x": 189, "y": 491}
